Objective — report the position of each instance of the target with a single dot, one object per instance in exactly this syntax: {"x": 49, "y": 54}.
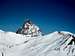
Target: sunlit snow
{"x": 53, "y": 44}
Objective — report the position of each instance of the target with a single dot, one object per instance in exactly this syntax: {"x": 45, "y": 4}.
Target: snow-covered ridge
{"x": 53, "y": 44}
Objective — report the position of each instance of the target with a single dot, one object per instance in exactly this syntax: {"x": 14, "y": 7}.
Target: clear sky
{"x": 49, "y": 15}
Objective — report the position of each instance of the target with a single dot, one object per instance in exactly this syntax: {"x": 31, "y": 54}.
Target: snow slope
{"x": 53, "y": 44}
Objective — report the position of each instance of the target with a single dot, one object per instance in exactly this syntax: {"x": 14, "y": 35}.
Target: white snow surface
{"x": 53, "y": 44}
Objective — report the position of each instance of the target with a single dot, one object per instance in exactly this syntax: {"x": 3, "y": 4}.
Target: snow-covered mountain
{"x": 53, "y": 44}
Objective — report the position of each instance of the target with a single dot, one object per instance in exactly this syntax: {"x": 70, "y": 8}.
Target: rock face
{"x": 53, "y": 44}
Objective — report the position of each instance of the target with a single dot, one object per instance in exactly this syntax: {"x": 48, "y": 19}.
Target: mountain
{"x": 53, "y": 44}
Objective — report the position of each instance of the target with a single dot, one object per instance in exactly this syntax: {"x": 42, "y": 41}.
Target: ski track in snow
{"x": 53, "y": 44}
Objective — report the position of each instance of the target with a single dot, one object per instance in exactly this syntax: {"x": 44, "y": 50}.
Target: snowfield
{"x": 53, "y": 44}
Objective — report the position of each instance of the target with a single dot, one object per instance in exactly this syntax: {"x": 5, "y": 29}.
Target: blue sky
{"x": 49, "y": 15}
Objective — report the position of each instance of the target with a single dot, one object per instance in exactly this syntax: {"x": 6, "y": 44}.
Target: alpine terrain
{"x": 53, "y": 44}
